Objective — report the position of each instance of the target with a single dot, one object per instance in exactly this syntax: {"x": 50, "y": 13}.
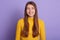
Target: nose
{"x": 30, "y": 9}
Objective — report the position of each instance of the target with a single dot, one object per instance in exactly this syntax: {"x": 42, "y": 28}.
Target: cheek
{"x": 27, "y": 11}
{"x": 33, "y": 11}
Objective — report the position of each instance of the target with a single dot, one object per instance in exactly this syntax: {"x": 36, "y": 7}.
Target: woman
{"x": 30, "y": 27}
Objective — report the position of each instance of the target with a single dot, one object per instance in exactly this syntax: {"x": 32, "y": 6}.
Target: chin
{"x": 31, "y": 15}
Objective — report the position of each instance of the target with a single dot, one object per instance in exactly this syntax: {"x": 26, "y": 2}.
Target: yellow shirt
{"x": 20, "y": 26}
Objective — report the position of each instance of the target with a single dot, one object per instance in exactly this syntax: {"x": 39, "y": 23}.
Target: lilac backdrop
{"x": 12, "y": 10}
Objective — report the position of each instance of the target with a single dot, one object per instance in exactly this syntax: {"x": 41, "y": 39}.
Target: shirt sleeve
{"x": 18, "y": 30}
{"x": 42, "y": 31}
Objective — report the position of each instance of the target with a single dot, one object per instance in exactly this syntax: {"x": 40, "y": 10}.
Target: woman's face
{"x": 30, "y": 10}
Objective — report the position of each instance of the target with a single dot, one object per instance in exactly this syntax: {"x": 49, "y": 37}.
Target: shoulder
{"x": 41, "y": 24}
{"x": 40, "y": 21}
{"x": 20, "y": 20}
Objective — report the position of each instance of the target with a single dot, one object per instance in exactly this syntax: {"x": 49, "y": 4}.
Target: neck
{"x": 31, "y": 17}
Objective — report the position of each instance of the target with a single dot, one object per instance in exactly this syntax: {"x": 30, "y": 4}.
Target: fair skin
{"x": 30, "y": 10}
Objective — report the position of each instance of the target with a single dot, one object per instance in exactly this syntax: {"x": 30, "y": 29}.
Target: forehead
{"x": 30, "y": 5}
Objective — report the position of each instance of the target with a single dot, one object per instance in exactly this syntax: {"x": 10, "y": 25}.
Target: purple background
{"x": 12, "y": 10}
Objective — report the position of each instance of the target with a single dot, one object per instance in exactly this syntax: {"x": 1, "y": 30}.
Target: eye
{"x": 33, "y": 8}
{"x": 27, "y": 7}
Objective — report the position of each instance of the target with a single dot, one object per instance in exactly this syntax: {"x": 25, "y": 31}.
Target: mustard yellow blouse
{"x": 20, "y": 26}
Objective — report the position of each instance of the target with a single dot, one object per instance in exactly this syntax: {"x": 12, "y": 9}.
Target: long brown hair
{"x": 35, "y": 28}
